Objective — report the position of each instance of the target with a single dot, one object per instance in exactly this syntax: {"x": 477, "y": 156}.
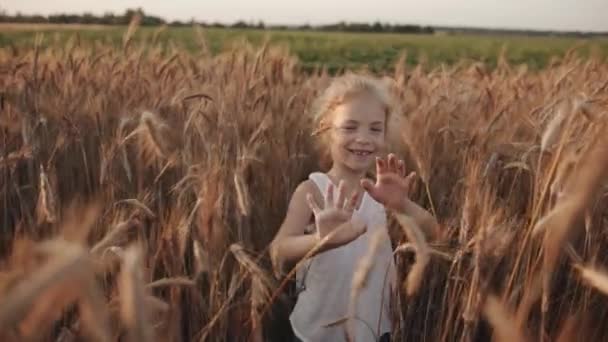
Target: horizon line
{"x": 320, "y": 24}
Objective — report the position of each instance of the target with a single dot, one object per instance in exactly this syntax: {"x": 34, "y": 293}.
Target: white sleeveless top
{"x": 325, "y": 282}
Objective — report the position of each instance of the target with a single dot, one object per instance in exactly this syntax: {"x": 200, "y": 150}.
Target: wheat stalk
{"x": 132, "y": 294}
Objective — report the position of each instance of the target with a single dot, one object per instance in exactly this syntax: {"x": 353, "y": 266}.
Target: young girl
{"x": 343, "y": 209}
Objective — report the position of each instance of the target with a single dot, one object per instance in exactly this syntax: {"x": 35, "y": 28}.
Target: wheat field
{"x": 337, "y": 51}
{"x": 140, "y": 188}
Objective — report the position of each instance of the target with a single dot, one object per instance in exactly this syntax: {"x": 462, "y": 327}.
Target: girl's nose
{"x": 362, "y": 138}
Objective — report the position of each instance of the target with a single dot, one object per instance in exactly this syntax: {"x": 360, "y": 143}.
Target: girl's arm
{"x": 291, "y": 243}
{"x": 422, "y": 217}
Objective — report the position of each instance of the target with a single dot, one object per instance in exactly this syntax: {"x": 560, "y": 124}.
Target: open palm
{"x": 392, "y": 185}
{"x": 334, "y": 218}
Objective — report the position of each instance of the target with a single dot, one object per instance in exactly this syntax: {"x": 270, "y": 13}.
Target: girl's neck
{"x": 351, "y": 178}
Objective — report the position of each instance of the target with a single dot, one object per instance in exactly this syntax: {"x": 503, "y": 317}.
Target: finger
{"x": 367, "y": 184}
{"x": 341, "y": 196}
{"x": 410, "y": 177}
{"x": 329, "y": 196}
{"x": 414, "y": 185}
{"x": 312, "y": 204}
{"x": 392, "y": 163}
{"x": 401, "y": 168}
{"x": 409, "y": 180}
{"x": 380, "y": 165}
{"x": 351, "y": 204}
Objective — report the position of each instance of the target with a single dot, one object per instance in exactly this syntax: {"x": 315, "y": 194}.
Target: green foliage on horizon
{"x": 334, "y": 50}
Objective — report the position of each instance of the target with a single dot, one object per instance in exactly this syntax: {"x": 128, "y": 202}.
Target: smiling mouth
{"x": 362, "y": 153}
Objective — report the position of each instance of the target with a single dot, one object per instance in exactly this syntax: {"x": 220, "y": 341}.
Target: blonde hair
{"x": 342, "y": 89}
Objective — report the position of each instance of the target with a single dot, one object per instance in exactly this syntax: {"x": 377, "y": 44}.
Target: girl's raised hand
{"x": 392, "y": 186}
{"x": 335, "y": 217}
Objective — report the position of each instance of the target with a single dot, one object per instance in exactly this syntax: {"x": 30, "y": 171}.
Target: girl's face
{"x": 358, "y": 132}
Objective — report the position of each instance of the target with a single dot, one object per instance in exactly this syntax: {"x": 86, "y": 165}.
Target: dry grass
{"x": 193, "y": 158}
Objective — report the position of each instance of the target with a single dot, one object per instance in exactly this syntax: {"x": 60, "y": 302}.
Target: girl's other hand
{"x": 334, "y": 218}
{"x": 392, "y": 186}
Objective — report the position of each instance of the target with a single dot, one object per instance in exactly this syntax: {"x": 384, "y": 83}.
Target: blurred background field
{"x": 333, "y": 50}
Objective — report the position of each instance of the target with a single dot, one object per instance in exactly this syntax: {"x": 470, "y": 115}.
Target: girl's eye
{"x": 377, "y": 130}
{"x": 349, "y": 128}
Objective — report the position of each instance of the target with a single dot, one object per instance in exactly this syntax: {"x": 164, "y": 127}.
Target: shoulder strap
{"x": 321, "y": 180}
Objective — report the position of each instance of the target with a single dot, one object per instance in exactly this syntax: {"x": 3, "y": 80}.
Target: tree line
{"x": 85, "y": 18}
{"x": 151, "y": 20}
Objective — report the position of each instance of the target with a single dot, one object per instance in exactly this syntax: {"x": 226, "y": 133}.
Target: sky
{"x": 560, "y": 15}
